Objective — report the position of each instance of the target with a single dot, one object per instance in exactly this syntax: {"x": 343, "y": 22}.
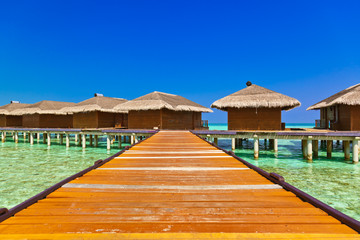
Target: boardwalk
{"x": 173, "y": 185}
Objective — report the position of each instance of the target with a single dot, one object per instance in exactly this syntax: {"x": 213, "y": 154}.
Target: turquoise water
{"x": 333, "y": 181}
{"x": 27, "y": 170}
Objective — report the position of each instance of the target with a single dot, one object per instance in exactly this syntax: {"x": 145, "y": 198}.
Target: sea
{"x": 28, "y": 169}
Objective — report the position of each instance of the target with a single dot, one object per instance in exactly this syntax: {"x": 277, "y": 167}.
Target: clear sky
{"x": 203, "y": 50}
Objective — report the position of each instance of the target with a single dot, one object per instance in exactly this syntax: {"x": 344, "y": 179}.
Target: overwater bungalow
{"x": 163, "y": 111}
{"x": 98, "y": 112}
{"x": 45, "y": 114}
{"x": 7, "y": 120}
{"x": 255, "y": 108}
{"x": 340, "y": 111}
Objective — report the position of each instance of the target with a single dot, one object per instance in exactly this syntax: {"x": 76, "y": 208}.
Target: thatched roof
{"x": 349, "y": 96}
{"x": 44, "y": 107}
{"x": 98, "y": 103}
{"x": 159, "y": 100}
{"x": 254, "y": 96}
{"x": 6, "y": 109}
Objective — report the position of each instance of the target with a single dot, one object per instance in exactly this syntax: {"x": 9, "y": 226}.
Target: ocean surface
{"x": 333, "y": 181}
{"x": 27, "y": 170}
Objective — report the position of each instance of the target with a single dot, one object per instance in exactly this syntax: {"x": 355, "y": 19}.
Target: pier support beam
{"x": 309, "y": 149}
{"x": 329, "y": 147}
{"x": 76, "y": 139}
{"x": 256, "y": 148}
{"x": 16, "y": 137}
{"x": 24, "y": 135}
{"x": 3, "y": 136}
{"x": 119, "y": 141}
{"x": 61, "y": 141}
{"x": 67, "y": 140}
{"x": 90, "y": 140}
{"x": 275, "y": 145}
{"x": 233, "y": 144}
{"x": 132, "y": 139}
{"x": 83, "y": 141}
{"x": 38, "y": 137}
{"x": 108, "y": 142}
{"x": 96, "y": 137}
{"x": 49, "y": 139}
{"x": 315, "y": 146}
{"x": 355, "y": 150}
{"x": 44, "y": 137}
{"x": 31, "y": 138}
{"x": 346, "y": 149}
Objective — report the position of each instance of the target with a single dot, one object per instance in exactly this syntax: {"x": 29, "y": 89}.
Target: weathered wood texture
{"x": 98, "y": 119}
{"x": 173, "y": 182}
{"x": 10, "y": 121}
{"x": 47, "y": 121}
{"x": 164, "y": 119}
{"x": 254, "y": 118}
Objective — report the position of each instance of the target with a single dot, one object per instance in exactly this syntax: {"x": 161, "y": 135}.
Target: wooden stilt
{"x": 315, "y": 146}
{"x": 275, "y": 145}
{"x": 38, "y": 137}
{"x": 119, "y": 141}
{"x": 132, "y": 139}
{"x": 96, "y": 140}
{"x": 346, "y": 145}
{"x": 355, "y": 151}
{"x": 31, "y": 138}
{"x": 16, "y": 137}
{"x": 49, "y": 139}
{"x": 329, "y": 147}
{"x": 309, "y": 148}
{"x": 108, "y": 142}
{"x": 76, "y": 138}
{"x": 61, "y": 140}
{"x": 256, "y": 148}
{"x": 216, "y": 141}
{"x": 67, "y": 140}
{"x": 233, "y": 144}
{"x": 83, "y": 141}
{"x": 90, "y": 140}
{"x": 3, "y": 137}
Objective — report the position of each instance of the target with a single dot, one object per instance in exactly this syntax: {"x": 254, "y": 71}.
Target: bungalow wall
{"x": 47, "y": 121}
{"x": 164, "y": 119}
{"x": 10, "y": 121}
{"x": 254, "y": 118}
{"x": 98, "y": 119}
{"x": 355, "y": 118}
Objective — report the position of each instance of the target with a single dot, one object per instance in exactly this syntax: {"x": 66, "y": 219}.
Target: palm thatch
{"x": 44, "y": 107}
{"x": 255, "y": 96}
{"x": 159, "y": 100}
{"x": 98, "y": 103}
{"x": 349, "y": 96}
{"x": 6, "y": 109}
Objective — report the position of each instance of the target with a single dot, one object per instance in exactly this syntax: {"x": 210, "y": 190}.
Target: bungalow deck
{"x": 174, "y": 185}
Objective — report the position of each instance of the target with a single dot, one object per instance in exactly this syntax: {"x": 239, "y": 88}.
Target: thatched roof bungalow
{"x": 45, "y": 114}
{"x": 163, "y": 111}
{"x": 7, "y": 120}
{"x": 340, "y": 111}
{"x": 255, "y": 108}
{"x": 98, "y": 112}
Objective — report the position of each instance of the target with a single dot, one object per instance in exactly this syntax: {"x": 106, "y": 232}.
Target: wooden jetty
{"x": 175, "y": 185}
{"x": 309, "y": 139}
{"x": 84, "y": 136}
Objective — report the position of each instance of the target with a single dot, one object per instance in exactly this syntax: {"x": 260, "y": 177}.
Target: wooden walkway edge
{"x": 173, "y": 185}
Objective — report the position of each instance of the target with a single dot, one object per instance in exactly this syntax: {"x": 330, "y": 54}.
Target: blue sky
{"x": 202, "y": 50}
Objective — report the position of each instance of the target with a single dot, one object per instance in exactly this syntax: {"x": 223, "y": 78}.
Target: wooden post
{"x": 256, "y": 147}
{"x": 346, "y": 149}
{"x": 303, "y": 147}
{"x": 315, "y": 144}
{"x": 44, "y": 137}
{"x": 61, "y": 141}
{"x": 108, "y": 142}
{"x": 233, "y": 144}
{"x": 38, "y": 136}
{"x": 16, "y": 137}
{"x": 216, "y": 141}
{"x": 91, "y": 140}
{"x": 67, "y": 140}
{"x": 24, "y": 135}
{"x": 76, "y": 138}
{"x": 132, "y": 139}
{"x": 119, "y": 141}
{"x": 355, "y": 151}
{"x": 83, "y": 141}
{"x": 3, "y": 136}
{"x": 31, "y": 137}
{"x": 275, "y": 145}
{"x": 49, "y": 139}
{"x": 96, "y": 140}
{"x": 309, "y": 154}
{"x": 329, "y": 146}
